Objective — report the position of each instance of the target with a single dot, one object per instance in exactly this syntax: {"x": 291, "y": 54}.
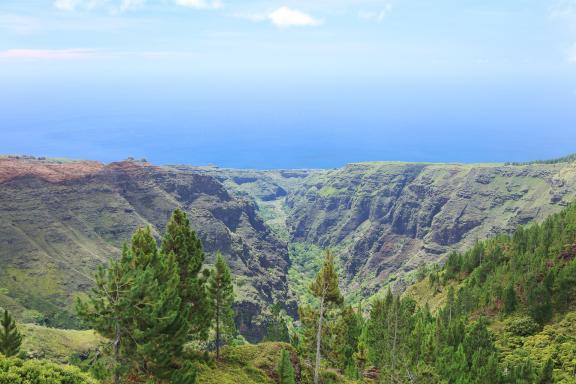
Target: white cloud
{"x": 48, "y": 54}
{"x": 285, "y": 17}
{"x": 66, "y": 5}
{"x": 376, "y": 16}
{"x": 200, "y": 4}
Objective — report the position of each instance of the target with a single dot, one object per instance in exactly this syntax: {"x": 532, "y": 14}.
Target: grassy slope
{"x": 247, "y": 364}
{"x": 57, "y": 344}
{"x": 255, "y": 364}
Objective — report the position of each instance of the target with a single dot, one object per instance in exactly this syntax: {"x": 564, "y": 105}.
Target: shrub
{"x": 522, "y": 326}
{"x": 16, "y": 371}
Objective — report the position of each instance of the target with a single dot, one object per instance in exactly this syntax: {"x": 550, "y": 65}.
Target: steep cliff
{"x": 60, "y": 220}
{"x": 385, "y": 219}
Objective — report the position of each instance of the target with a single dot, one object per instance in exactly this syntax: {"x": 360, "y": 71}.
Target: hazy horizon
{"x": 288, "y": 84}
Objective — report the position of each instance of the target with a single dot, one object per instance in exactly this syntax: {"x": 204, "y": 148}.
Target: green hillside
{"x": 523, "y": 287}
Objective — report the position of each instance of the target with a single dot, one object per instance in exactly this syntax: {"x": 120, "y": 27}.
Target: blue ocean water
{"x": 306, "y": 125}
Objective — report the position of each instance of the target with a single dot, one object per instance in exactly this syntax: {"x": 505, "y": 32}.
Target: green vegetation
{"x": 10, "y": 337}
{"x": 502, "y": 311}
{"x": 518, "y": 293}
{"x": 306, "y": 262}
{"x": 221, "y": 294}
{"x": 142, "y": 303}
{"x": 58, "y": 344}
{"x": 181, "y": 241}
{"x": 136, "y": 304}
{"x": 564, "y": 159}
{"x": 325, "y": 289}
{"x": 277, "y": 329}
{"x": 285, "y": 369}
{"x": 246, "y": 364}
{"x": 16, "y": 371}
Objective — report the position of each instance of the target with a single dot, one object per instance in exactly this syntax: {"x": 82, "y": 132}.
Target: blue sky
{"x": 270, "y": 84}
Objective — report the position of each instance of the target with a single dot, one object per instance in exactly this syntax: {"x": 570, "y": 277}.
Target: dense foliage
{"x": 285, "y": 369}
{"x": 523, "y": 281}
{"x": 152, "y": 301}
{"x": 506, "y": 317}
{"x": 16, "y": 371}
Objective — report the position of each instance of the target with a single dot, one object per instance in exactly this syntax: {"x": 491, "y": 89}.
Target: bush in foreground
{"x": 16, "y": 371}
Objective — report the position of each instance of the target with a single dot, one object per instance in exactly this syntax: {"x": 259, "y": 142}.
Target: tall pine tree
{"x": 325, "y": 288}
{"x": 183, "y": 242}
{"x": 136, "y": 304}
{"x": 221, "y": 293}
{"x": 10, "y": 338}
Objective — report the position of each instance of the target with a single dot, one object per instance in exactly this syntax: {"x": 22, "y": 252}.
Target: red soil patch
{"x": 52, "y": 171}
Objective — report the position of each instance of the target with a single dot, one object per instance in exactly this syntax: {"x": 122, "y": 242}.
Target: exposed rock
{"x": 58, "y": 223}
{"x": 387, "y": 218}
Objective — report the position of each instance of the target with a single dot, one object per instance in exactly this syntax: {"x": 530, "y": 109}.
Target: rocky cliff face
{"x": 59, "y": 221}
{"x": 385, "y": 218}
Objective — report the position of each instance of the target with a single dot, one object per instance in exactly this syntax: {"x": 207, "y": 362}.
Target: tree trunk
{"x": 117, "y": 353}
{"x": 318, "y": 342}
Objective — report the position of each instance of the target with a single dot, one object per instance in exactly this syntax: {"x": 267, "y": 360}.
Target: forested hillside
{"x": 519, "y": 292}
{"x": 376, "y": 273}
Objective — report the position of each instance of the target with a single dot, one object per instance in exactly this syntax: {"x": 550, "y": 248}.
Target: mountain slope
{"x": 524, "y": 286}
{"x": 59, "y": 221}
{"x": 385, "y": 218}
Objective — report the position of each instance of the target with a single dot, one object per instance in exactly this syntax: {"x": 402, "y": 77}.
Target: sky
{"x": 290, "y": 83}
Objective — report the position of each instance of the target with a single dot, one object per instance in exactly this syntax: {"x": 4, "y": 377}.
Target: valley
{"x": 393, "y": 228}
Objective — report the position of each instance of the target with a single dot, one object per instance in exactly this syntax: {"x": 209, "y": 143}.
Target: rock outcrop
{"x": 388, "y": 218}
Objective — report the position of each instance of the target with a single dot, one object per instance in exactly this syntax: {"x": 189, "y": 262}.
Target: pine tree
{"x": 106, "y": 309}
{"x": 10, "y": 337}
{"x": 221, "y": 293}
{"x": 325, "y": 288}
{"x": 539, "y": 303}
{"x": 183, "y": 242}
{"x": 277, "y": 329}
{"x": 285, "y": 369}
{"x": 510, "y": 299}
{"x": 136, "y": 304}
{"x": 345, "y": 334}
